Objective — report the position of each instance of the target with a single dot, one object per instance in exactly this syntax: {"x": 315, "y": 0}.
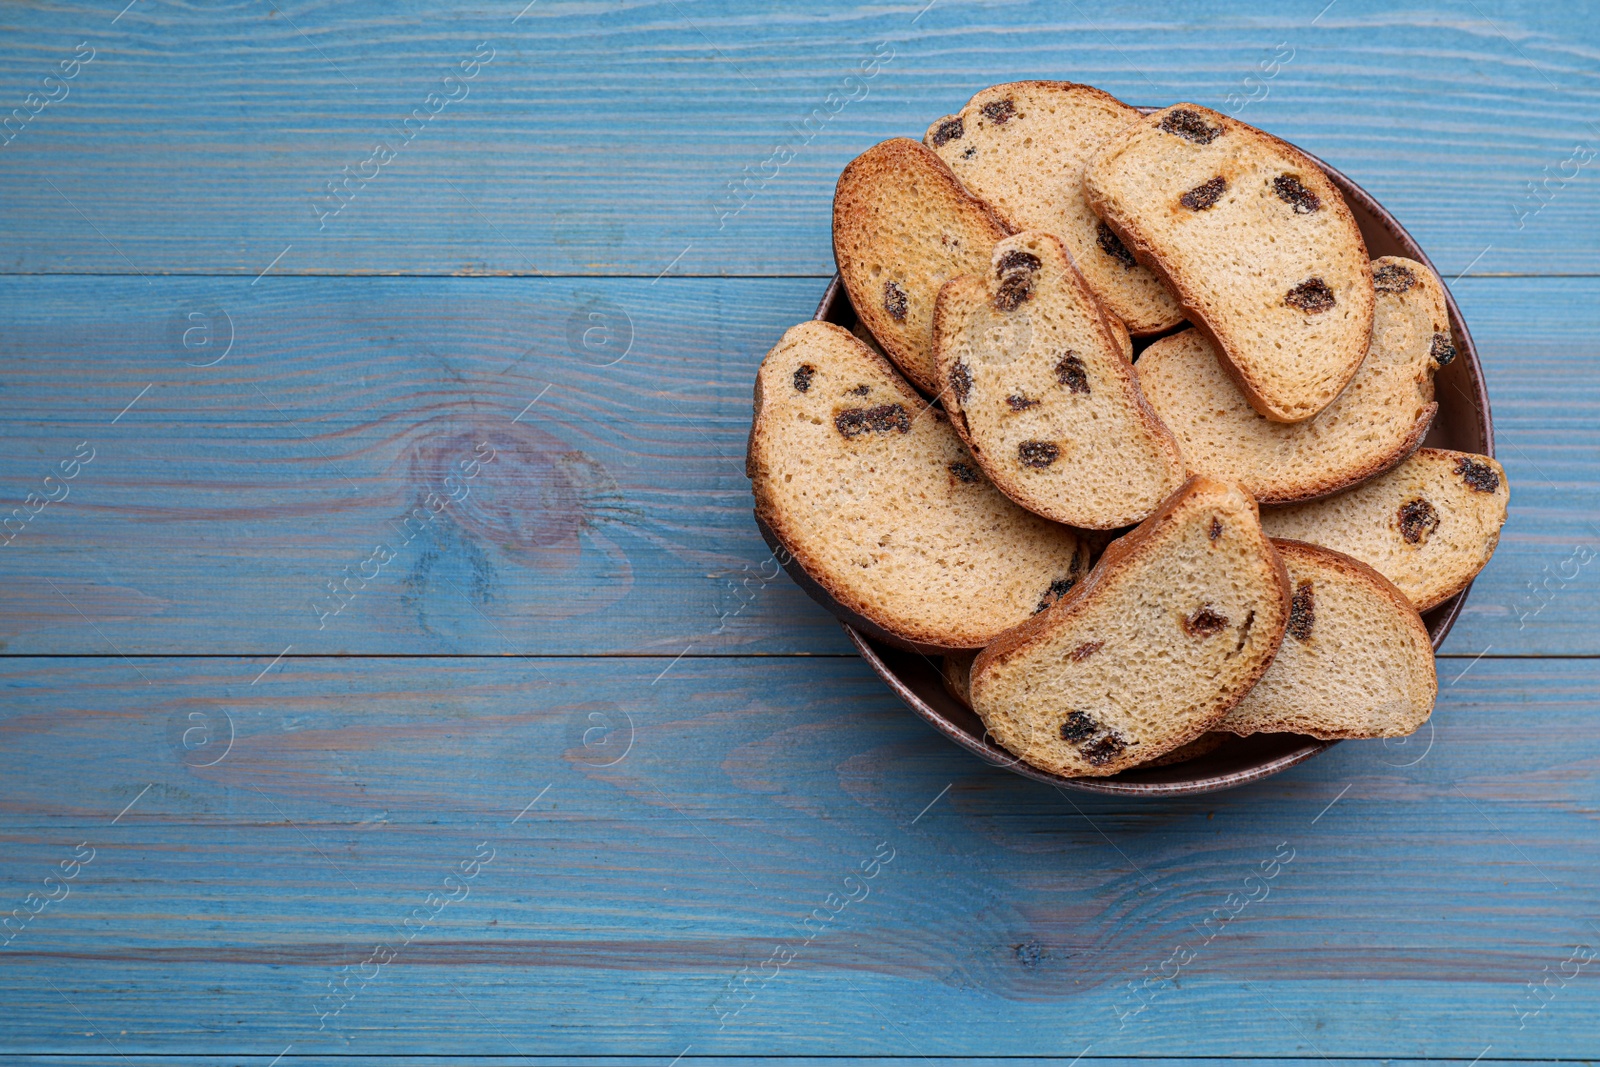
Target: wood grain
{"x": 1429, "y": 881}
{"x": 776, "y": 1061}
{"x": 617, "y": 516}
{"x": 585, "y": 662}
{"x": 695, "y": 1060}
{"x": 603, "y": 139}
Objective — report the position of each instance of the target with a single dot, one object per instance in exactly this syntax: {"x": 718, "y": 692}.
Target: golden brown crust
{"x": 1143, "y": 321}
{"x": 1429, "y": 603}
{"x": 750, "y": 465}
{"x": 1033, "y": 83}
{"x": 1126, "y": 550}
{"x": 1118, "y": 552}
{"x": 819, "y": 582}
{"x": 1287, "y": 546}
{"x": 1337, "y": 449}
{"x": 896, "y": 156}
{"x": 824, "y": 595}
{"x": 956, "y": 672}
{"x": 1116, "y": 341}
{"x": 1109, "y": 329}
{"x": 757, "y": 422}
{"x": 1326, "y": 557}
{"x": 1124, "y": 338}
{"x": 1146, "y": 255}
{"x": 769, "y": 517}
{"x": 1475, "y": 562}
{"x": 1381, "y": 465}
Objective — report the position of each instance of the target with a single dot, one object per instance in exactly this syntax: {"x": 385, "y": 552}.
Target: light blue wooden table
{"x": 393, "y": 675}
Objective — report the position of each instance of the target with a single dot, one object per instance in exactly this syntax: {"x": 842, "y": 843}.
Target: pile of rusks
{"x": 1287, "y": 527}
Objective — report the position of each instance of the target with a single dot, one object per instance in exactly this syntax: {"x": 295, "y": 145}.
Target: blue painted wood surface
{"x": 511, "y": 680}
{"x": 616, "y": 516}
{"x": 603, "y": 138}
{"x": 653, "y": 834}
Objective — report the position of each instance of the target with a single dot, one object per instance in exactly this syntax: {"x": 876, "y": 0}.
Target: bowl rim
{"x": 996, "y": 756}
{"x": 1440, "y": 619}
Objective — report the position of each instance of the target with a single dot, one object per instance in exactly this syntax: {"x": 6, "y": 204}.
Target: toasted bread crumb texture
{"x": 1034, "y": 376}
{"x": 1379, "y": 418}
{"x": 1358, "y": 663}
{"x": 1021, "y": 147}
{"x": 878, "y": 501}
{"x": 1428, "y": 526}
{"x": 957, "y": 670}
{"x": 1257, "y": 242}
{"x": 1174, "y": 625}
{"x": 902, "y": 226}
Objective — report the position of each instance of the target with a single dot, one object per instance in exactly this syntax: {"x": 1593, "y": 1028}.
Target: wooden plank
{"x": 605, "y": 140}
{"x": 1428, "y": 883}
{"x": 692, "y": 1060}
{"x": 616, "y": 516}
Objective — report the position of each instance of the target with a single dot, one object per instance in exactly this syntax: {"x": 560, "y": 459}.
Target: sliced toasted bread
{"x": 1021, "y": 147}
{"x": 1379, "y": 419}
{"x": 1356, "y": 660}
{"x": 902, "y": 226}
{"x": 1172, "y": 627}
{"x": 871, "y": 492}
{"x": 957, "y": 672}
{"x": 1428, "y": 526}
{"x": 1257, "y": 243}
{"x": 1037, "y": 385}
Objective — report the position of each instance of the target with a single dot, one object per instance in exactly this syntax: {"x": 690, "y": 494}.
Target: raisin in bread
{"x": 1170, "y": 630}
{"x": 957, "y": 673}
{"x": 1021, "y": 147}
{"x": 1379, "y": 419}
{"x": 1428, "y": 526}
{"x": 1257, "y": 243}
{"x": 1037, "y": 385}
{"x": 1356, "y": 660}
{"x": 902, "y": 226}
{"x": 870, "y": 491}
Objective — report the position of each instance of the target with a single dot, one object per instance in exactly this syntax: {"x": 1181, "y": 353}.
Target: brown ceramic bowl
{"x": 1463, "y": 423}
